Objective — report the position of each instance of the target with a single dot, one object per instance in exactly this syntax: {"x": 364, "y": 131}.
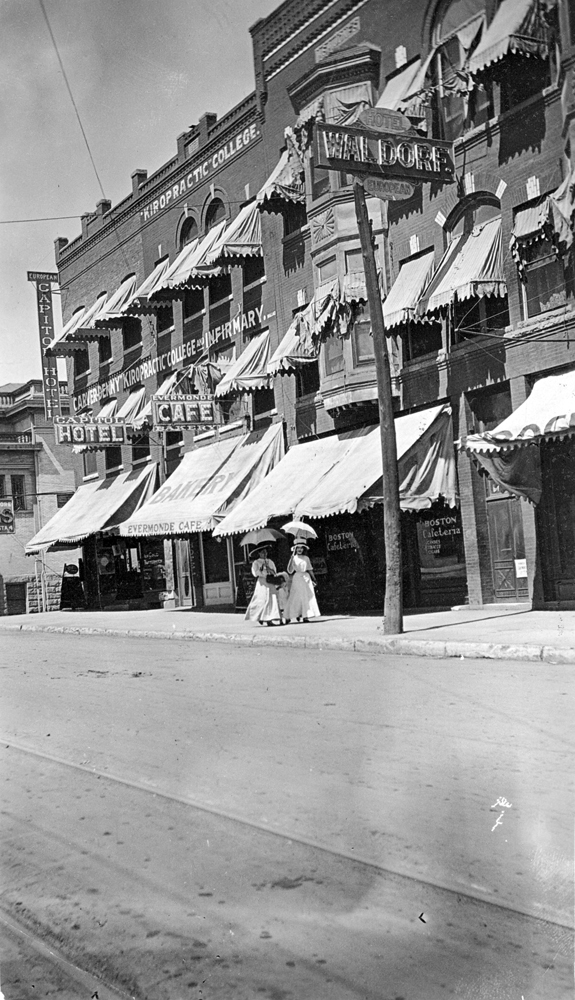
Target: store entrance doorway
{"x": 183, "y": 573}
{"x": 506, "y": 541}
{"x": 217, "y": 570}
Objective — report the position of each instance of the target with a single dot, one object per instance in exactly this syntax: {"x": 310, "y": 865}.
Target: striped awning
{"x": 133, "y": 405}
{"x": 471, "y": 266}
{"x": 518, "y": 26}
{"x": 141, "y": 304}
{"x": 341, "y": 473}
{"x": 250, "y": 370}
{"x": 97, "y": 506}
{"x": 63, "y": 344}
{"x": 209, "y": 481}
{"x": 286, "y": 180}
{"x": 547, "y": 414}
{"x": 241, "y": 239}
{"x": 414, "y": 275}
{"x": 189, "y": 266}
{"x": 113, "y": 312}
{"x": 292, "y": 352}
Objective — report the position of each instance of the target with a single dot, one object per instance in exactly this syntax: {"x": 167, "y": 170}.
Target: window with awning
{"x": 94, "y": 507}
{"x": 342, "y": 473}
{"x": 133, "y": 406}
{"x": 469, "y": 274}
{"x": 240, "y": 239}
{"x": 208, "y": 482}
{"x": 113, "y": 312}
{"x": 141, "y": 302}
{"x": 63, "y": 344}
{"x": 517, "y": 27}
{"x": 292, "y": 352}
{"x": 250, "y": 370}
{"x": 189, "y": 266}
{"x": 401, "y": 303}
{"x": 286, "y": 181}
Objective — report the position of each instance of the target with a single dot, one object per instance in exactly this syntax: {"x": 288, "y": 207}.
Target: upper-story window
{"x": 188, "y": 232}
{"x": 81, "y": 363}
{"x": 216, "y": 213}
{"x": 456, "y": 30}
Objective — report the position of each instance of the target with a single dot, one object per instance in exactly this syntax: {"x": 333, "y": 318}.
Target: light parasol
{"x": 261, "y": 535}
{"x": 300, "y": 529}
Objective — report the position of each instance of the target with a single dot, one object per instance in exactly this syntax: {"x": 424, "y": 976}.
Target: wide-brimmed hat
{"x": 259, "y": 548}
{"x": 299, "y": 545}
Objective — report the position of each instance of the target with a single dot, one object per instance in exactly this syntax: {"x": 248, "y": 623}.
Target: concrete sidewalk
{"x": 493, "y": 633}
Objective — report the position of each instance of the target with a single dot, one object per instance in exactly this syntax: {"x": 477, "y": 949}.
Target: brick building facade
{"x": 494, "y": 79}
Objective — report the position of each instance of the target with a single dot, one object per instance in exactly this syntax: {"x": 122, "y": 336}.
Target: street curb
{"x": 399, "y": 646}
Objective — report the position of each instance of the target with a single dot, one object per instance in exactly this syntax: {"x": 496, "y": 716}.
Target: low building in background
{"x": 37, "y": 478}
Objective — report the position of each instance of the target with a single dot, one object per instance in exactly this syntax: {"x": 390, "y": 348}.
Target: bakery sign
{"x": 183, "y": 411}
{"x": 398, "y": 155}
{"x": 88, "y": 431}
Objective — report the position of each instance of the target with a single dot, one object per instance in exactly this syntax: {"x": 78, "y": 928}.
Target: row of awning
{"x": 518, "y": 26}
{"x": 236, "y": 483}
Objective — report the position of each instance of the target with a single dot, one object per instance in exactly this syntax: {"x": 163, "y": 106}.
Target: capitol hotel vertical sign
{"x": 44, "y": 281}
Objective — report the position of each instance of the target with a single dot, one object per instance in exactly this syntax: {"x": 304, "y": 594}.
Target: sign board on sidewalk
{"x": 183, "y": 411}
{"x": 6, "y": 516}
{"x": 388, "y": 155}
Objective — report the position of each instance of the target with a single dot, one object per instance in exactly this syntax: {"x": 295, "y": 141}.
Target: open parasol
{"x": 261, "y": 535}
{"x": 300, "y": 529}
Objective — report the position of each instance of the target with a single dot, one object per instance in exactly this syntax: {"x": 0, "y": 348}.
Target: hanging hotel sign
{"x": 6, "y": 516}
{"x": 390, "y": 155}
{"x": 183, "y": 411}
{"x": 88, "y": 430}
{"x": 44, "y": 281}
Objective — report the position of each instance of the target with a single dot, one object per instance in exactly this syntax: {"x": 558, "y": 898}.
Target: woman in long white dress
{"x": 302, "y": 601}
{"x": 263, "y": 606}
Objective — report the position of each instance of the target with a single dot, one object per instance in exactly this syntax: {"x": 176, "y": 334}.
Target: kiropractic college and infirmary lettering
{"x": 196, "y": 175}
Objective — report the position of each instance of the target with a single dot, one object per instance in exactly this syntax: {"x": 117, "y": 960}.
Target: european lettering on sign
{"x": 183, "y": 411}
{"x": 199, "y": 173}
{"x": 391, "y": 155}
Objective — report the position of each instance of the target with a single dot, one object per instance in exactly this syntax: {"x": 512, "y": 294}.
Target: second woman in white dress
{"x": 302, "y": 601}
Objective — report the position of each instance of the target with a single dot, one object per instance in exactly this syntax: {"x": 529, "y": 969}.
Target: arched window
{"x": 456, "y": 32}
{"x": 486, "y": 311}
{"x": 188, "y": 232}
{"x": 216, "y": 212}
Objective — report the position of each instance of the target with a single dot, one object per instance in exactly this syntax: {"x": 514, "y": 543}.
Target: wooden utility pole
{"x": 393, "y": 604}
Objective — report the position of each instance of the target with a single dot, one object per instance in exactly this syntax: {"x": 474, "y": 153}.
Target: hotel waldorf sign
{"x": 397, "y": 155}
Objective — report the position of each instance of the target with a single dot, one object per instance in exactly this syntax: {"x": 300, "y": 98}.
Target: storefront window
{"x": 152, "y": 564}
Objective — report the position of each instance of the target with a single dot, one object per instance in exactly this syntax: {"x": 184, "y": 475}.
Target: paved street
{"x": 199, "y": 819}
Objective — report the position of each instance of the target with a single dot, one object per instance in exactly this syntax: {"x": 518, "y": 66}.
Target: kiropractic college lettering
{"x": 198, "y": 174}
{"x": 124, "y": 381}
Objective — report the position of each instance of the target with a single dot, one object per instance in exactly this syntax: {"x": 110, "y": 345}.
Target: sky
{"x": 141, "y": 72}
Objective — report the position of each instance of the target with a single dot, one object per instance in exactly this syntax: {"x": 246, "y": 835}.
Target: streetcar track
{"x": 284, "y": 835}
{"x": 97, "y": 986}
